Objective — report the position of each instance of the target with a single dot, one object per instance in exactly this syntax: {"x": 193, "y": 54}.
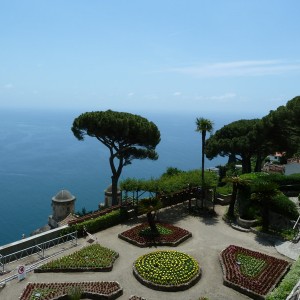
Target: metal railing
{"x": 38, "y": 249}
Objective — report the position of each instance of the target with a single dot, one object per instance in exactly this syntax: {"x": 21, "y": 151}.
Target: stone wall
{"x": 31, "y": 241}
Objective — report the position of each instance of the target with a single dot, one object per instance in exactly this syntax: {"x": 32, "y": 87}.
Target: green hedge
{"x": 97, "y": 224}
{"x": 281, "y": 204}
{"x": 280, "y": 179}
{"x": 287, "y": 284}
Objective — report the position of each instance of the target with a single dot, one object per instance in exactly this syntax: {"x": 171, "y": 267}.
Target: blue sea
{"x": 39, "y": 156}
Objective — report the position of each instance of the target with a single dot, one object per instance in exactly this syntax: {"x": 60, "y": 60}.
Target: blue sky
{"x": 159, "y": 55}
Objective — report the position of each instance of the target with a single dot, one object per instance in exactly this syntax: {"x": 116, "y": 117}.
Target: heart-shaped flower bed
{"x": 167, "y": 270}
{"x": 142, "y": 236}
{"x": 90, "y": 258}
{"x": 92, "y": 290}
{"x": 250, "y": 272}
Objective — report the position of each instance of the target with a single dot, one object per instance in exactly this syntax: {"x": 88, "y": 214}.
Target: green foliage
{"x": 147, "y": 232}
{"x": 167, "y": 268}
{"x": 171, "y": 172}
{"x": 225, "y": 189}
{"x": 170, "y": 184}
{"x": 133, "y": 184}
{"x": 149, "y": 204}
{"x": 250, "y": 266}
{"x": 93, "y": 256}
{"x": 97, "y": 224}
{"x": 287, "y": 284}
{"x": 237, "y": 139}
{"x": 127, "y": 136}
{"x": 282, "y": 127}
{"x": 117, "y": 128}
{"x": 43, "y": 292}
{"x": 281, "y": 204}
{"x": 281, "y": 180}
{"x": 75, "y": 293}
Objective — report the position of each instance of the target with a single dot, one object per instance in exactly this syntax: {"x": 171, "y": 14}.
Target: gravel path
{"x": 210, "y": 236}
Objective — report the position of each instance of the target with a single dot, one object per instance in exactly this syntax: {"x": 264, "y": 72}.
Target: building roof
{"x": 63, "y": 196}
{"x": 67, "y": 219}
{"x": 109, "y": 189}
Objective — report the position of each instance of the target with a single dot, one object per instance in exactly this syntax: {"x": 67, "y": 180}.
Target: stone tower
{"x": 108, "y": 196}
{"x": 63, "y": 204}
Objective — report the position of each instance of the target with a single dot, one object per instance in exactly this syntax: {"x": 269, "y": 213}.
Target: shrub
{"x": 285, "y": 179}
{"x": 97, "y": 224}
{"x": 287, "y": 284}
{"x": 225, "y": 189}
{"x": 75, "y": 293}
{"x": 283, "y": 205}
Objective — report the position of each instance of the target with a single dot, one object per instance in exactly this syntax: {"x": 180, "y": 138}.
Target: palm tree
{"x": 203, "y": 126}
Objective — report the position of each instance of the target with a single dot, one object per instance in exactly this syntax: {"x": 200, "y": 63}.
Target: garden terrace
{"x": 250, "y": 272}
{"x": 169, "y": 235}
{"x": 91, "y": 290}
{"x": 167, "y": 270}
{"x": 91, "y": 258}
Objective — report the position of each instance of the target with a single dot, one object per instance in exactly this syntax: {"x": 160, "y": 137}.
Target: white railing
{"x": 38, "y": 249}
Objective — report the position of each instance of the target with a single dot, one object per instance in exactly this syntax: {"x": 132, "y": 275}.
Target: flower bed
{"x": 167, "y": 270}
{"x": 56, "y": 291}
{"x": 251, "y": 273}
{"x": 169, "y": 235}
{"x": 90, "y": 258}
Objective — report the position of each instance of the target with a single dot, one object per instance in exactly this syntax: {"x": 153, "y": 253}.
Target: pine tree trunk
{"x": 114, "y": 190}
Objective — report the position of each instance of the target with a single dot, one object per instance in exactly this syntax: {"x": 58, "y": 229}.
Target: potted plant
{"x": 248, "y": 218}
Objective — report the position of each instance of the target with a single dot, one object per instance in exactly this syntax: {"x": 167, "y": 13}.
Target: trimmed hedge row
{"x": 287, "y": 284}
{"x": 97, "y": 224}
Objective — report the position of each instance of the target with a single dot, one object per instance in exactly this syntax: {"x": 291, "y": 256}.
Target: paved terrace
{"x": 210, "y": 236}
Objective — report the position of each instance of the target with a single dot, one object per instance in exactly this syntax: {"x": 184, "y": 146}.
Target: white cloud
{"x": 240, "y": 68}
{"x": 8, "y": 86}
{"x": 223, "y": 97}
{"x": 176, "y": 94}
{"x": 130, "y": 94}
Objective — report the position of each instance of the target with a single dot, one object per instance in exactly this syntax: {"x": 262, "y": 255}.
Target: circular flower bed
{"x": 141, "y": 235}
{"x": 92, "y": 290}
{"x": 250, "y": 272}
{"x": 167, "y": 270}
{"x": 90, "y": 258}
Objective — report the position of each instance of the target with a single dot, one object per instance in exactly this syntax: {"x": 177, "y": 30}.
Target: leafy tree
{"x": 171, "y": 171}
{"x": 127, "y": 136}
{"x": 282, "y": 127}
{"x": 203, "y": 126}
{"x": 240, "y": 141}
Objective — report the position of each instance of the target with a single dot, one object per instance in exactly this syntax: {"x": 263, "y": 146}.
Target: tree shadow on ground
{"x": 172, "y": 214}
{"x": 265, "y": 241}
{"x": 179, "y": 212}
{"x": 206, "y": 216}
